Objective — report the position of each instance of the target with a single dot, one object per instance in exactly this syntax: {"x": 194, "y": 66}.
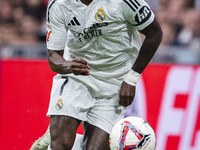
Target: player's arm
{"x": 58, "y": 64}
{"x": 153, "y": 36}
{"x": 56, "y": 41}
{"x": 140, "y": 15}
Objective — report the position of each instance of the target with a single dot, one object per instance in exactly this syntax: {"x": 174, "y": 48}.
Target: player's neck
{"x": 86, "y": 2}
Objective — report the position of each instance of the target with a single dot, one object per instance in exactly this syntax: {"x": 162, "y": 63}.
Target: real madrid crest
{"x": 100, "y": 16}
{"x": 59, "y": 104}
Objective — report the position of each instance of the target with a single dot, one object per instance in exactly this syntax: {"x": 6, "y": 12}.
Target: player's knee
{"x": 96, "y": 147}
{"x": 61, "y": 145}
{"x": 60, "y": 142}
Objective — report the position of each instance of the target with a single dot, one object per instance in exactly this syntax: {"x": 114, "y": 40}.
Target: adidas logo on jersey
{"x": 74, "y": 22}
{"x": 133, "y": 4}
{"x": 143, "y": 13}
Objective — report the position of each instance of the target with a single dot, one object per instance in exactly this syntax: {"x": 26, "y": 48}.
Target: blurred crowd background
{"x": 23, "y": 30}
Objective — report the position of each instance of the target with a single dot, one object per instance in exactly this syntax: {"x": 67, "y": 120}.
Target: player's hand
{"x": 79, "y": 67}
{"x": 127, "y": 94}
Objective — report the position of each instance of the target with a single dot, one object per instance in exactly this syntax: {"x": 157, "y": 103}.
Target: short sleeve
{"x": 138, "y": 13}
{"x": 56, "y": 36}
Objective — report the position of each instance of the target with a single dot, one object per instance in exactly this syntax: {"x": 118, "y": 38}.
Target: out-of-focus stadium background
{"x": 23, "y": 31}
{"x": 168, "y": 94}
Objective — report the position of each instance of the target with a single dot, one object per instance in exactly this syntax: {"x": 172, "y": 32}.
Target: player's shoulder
{"x": 122, "y": 4}
{"x": 115, "y": 5}
{"x": 58, "y": 8}
{"x": 116, "y": 2}
{"x": 59, "y": 4}
{"x": 131, "y": 3}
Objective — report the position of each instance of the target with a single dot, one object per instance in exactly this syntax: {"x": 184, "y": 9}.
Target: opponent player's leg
{"x": 95, "y": 138}
{"x": 63, "y": 132}
{"x": 43, "y": 142}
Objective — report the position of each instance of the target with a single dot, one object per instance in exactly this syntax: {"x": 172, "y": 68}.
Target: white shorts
{"x": 73, "y": 98}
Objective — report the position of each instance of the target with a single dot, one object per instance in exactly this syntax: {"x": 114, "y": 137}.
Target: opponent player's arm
{"x": 58, "y": 64}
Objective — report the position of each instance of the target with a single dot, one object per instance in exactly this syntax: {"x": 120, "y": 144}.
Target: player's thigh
{"x": 63, "y": 129}
{"x": 95, "y": 138}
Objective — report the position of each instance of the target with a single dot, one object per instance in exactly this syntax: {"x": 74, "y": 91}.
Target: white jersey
{"x": 103, "y": 33}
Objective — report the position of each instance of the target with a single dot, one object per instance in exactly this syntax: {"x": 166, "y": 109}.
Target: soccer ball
{"x": 132, "y": 133}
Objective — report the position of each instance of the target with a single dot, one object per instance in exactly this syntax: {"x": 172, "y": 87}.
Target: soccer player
{"x": 97, "y": 77}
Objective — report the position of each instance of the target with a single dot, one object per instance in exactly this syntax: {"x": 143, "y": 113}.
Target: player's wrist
{"x": 67, "y": 67}
{"x": 132, "y": 77}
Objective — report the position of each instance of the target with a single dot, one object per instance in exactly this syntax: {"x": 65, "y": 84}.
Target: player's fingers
{"x": 129, "y": 100}
{"x": 80, "y": 60}
{"x": 78, "y": 71}
{"x": 121, "y": 100}
{"x": 79, "y": 65}
{"x": 126, "y": 100}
